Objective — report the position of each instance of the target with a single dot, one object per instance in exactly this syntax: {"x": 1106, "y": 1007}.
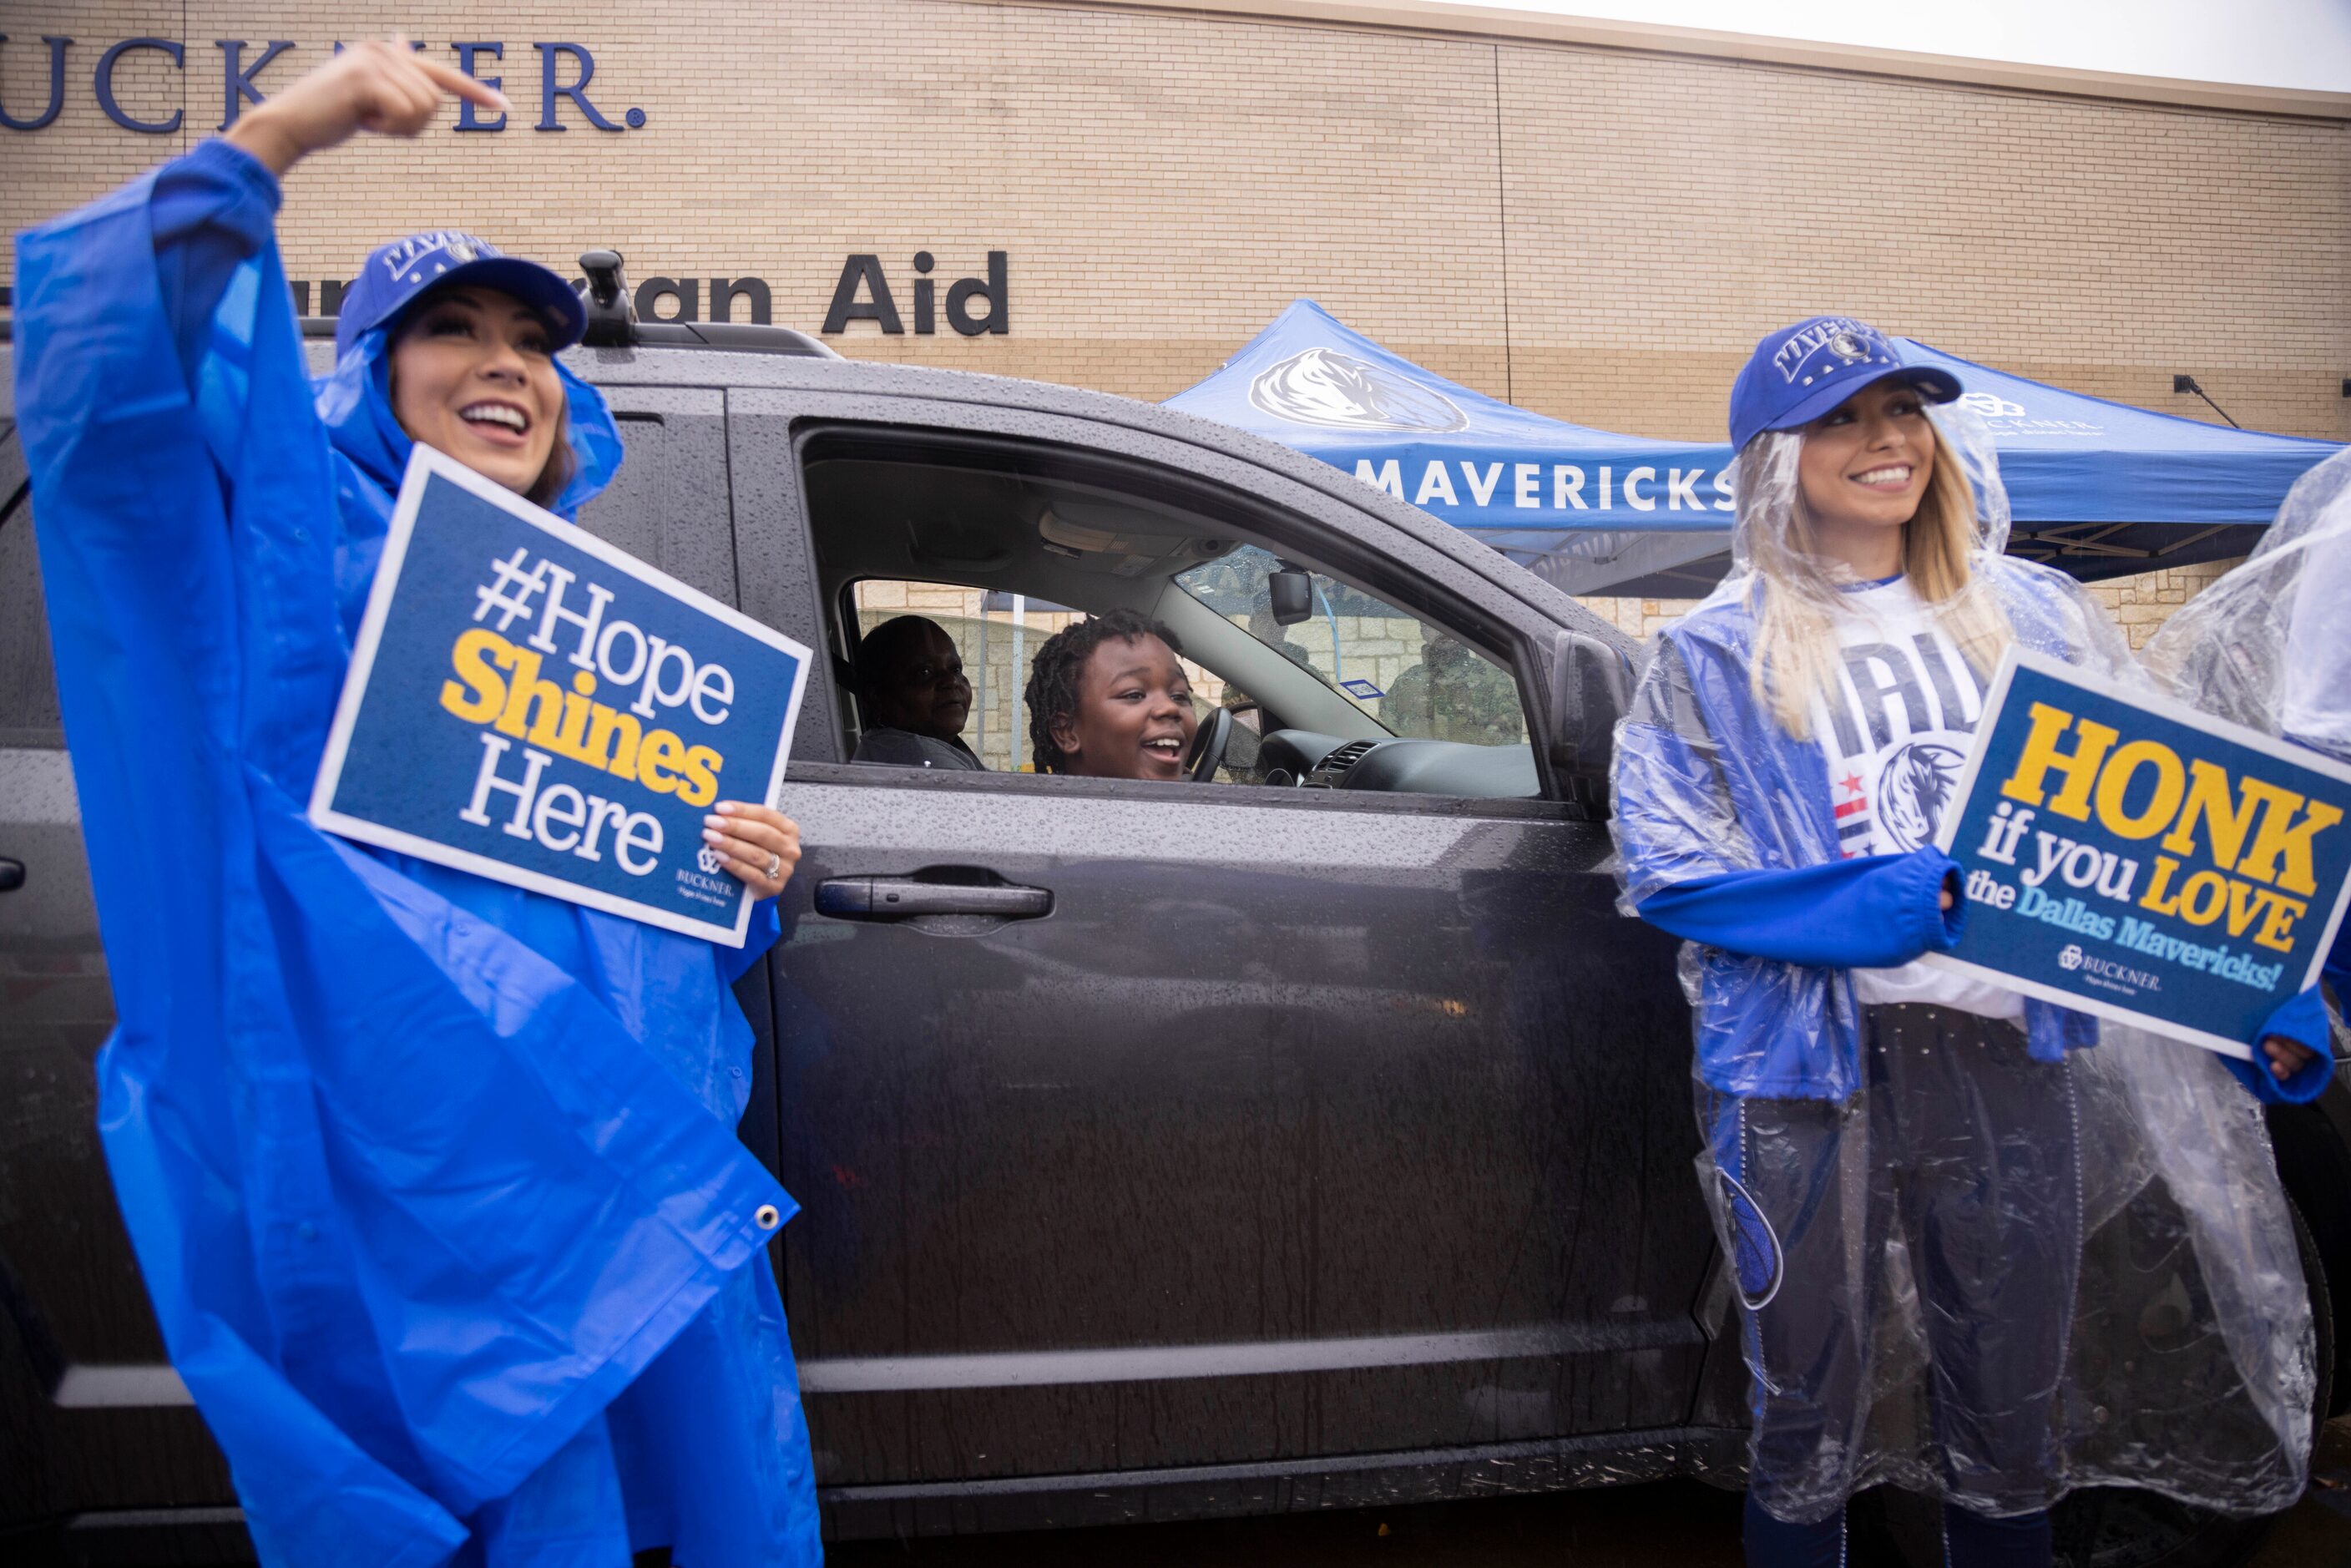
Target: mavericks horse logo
{"x": 1916, "y": 782}
{"x": 1325, "y": 387}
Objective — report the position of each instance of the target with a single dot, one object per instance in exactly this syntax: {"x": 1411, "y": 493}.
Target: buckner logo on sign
{"x": 2137, "y": 860}
{"x": 529, "y": 704}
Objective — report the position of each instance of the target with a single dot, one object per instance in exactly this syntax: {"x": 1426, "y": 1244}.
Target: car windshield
{"x": 1409, "y": 674}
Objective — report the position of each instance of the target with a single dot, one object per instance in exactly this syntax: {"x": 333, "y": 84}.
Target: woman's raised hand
{"x": 379, "y": 86}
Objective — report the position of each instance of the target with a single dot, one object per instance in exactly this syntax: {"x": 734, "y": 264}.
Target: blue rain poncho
{"x": 432, "y": 1181}
{"x": 2017, "y": 1262}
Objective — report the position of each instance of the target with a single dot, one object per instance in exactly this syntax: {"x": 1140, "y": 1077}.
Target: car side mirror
{"x": 1591, "y": 687}
{"x": 1291, "y": 592}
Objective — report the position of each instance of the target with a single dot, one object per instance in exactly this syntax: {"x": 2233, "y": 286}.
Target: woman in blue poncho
{"x": 432, "y": 1180}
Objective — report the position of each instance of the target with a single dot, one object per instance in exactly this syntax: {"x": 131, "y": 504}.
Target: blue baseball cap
{"x": 1801, "y": 373}
{"x": 397, "y": 273}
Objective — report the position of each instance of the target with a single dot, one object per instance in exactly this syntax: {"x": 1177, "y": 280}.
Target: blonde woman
{"x": 1895, "y": 1156}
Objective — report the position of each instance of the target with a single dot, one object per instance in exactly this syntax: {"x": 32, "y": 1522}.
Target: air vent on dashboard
{"x": 1335, "y": 765}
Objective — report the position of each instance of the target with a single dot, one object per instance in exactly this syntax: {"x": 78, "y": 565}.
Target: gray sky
{"x": 2264, "y": 43}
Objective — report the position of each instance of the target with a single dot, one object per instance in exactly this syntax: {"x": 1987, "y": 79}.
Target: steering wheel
{"x": 1208, "y": 743}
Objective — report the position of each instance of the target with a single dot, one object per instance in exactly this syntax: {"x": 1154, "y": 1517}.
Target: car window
{"x": 1409, "y": 672}
{"x": 996, "y": 632}
{"x": 1005, "y": 541}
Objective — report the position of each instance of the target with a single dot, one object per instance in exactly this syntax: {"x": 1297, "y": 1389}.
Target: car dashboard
{"x": 1398, "y": 764}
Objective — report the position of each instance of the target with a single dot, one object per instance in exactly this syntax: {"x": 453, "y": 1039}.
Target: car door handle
{"x": 901, "y": 897}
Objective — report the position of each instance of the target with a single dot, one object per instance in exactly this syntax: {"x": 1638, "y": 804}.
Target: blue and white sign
{"x": 529, "y": 704}
{"x": 2133, "y": 858}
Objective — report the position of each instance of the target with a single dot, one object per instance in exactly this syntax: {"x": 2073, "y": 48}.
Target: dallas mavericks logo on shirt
{"x": 1325, "y": 387}
{"x": 1913, "y": 788}
{"x": 1896, "y": 735}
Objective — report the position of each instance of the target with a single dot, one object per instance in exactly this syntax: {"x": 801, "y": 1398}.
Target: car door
{"x": 1203, "y": 1128}
{"x": 90, "y": 1416}
{"x": 670, "y": 505}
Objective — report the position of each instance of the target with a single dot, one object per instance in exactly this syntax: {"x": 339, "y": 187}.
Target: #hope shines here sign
{"x": 529, "y": 704}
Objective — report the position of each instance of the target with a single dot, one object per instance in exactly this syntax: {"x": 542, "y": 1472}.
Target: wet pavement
{"x": 1681, "y": 1524}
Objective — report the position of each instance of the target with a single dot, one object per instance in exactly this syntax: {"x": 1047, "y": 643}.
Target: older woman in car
{"x": 910, "y": 675}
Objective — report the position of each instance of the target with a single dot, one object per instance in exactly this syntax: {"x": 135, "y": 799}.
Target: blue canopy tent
{"x": 1586, "y": 508}
{"x": 2098, "y": 488}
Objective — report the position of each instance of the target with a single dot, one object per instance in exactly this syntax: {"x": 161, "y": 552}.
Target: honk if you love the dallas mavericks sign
{"x": 528, "y": 703}
{"x": 2137, "y": 860}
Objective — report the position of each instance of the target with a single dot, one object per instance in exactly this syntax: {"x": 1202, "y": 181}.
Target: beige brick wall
{"x": 2138, "y": 603}
{"x": 1597, "y": 235}
{"x": 2145, "y": 601}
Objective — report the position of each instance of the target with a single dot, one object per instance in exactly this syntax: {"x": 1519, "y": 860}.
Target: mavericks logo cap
{"x": 396, "y": 273}
{"x": 1801, "y": 373}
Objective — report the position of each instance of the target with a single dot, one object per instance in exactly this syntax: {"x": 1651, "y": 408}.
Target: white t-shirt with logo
{"x": 1896, "y": 739}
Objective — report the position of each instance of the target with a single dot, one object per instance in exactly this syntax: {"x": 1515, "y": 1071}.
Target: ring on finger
{"x": 775, "y": 866}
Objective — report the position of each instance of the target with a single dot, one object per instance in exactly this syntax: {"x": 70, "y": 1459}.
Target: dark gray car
{"x": 1316, "y": 1133}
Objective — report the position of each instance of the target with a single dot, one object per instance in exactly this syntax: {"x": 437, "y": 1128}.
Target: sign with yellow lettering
{"x": 2133, "y": 858}
{"x": 530, "y": 704}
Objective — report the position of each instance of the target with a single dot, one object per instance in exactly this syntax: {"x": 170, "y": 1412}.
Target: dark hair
{"x": 561, "y": 462}
{"x": 878, "y": 648}
{"x": 1052, "y": 691}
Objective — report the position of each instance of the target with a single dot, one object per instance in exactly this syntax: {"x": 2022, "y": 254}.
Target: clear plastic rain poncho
{"x": 2267, "y": 645}
{"x": 1980, "y": 1263}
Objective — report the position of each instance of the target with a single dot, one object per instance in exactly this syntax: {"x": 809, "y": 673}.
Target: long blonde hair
{"x": 1795, "y": 664}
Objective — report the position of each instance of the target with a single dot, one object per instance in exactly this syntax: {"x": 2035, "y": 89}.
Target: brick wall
{"x": 1596, "y": 235}
{"x": 2139, "y": 603}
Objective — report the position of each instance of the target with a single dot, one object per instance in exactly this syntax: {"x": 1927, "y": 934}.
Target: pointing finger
{"x": 449, "y": 78}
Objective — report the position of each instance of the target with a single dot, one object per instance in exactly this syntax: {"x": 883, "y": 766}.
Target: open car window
{"x": 1003, "y": 542}
{"x": 1407, "y": 672}
{"x": 998, "y": 632}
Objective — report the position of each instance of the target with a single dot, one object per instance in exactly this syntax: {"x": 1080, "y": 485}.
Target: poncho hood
{"x": 1766, "y": 484}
